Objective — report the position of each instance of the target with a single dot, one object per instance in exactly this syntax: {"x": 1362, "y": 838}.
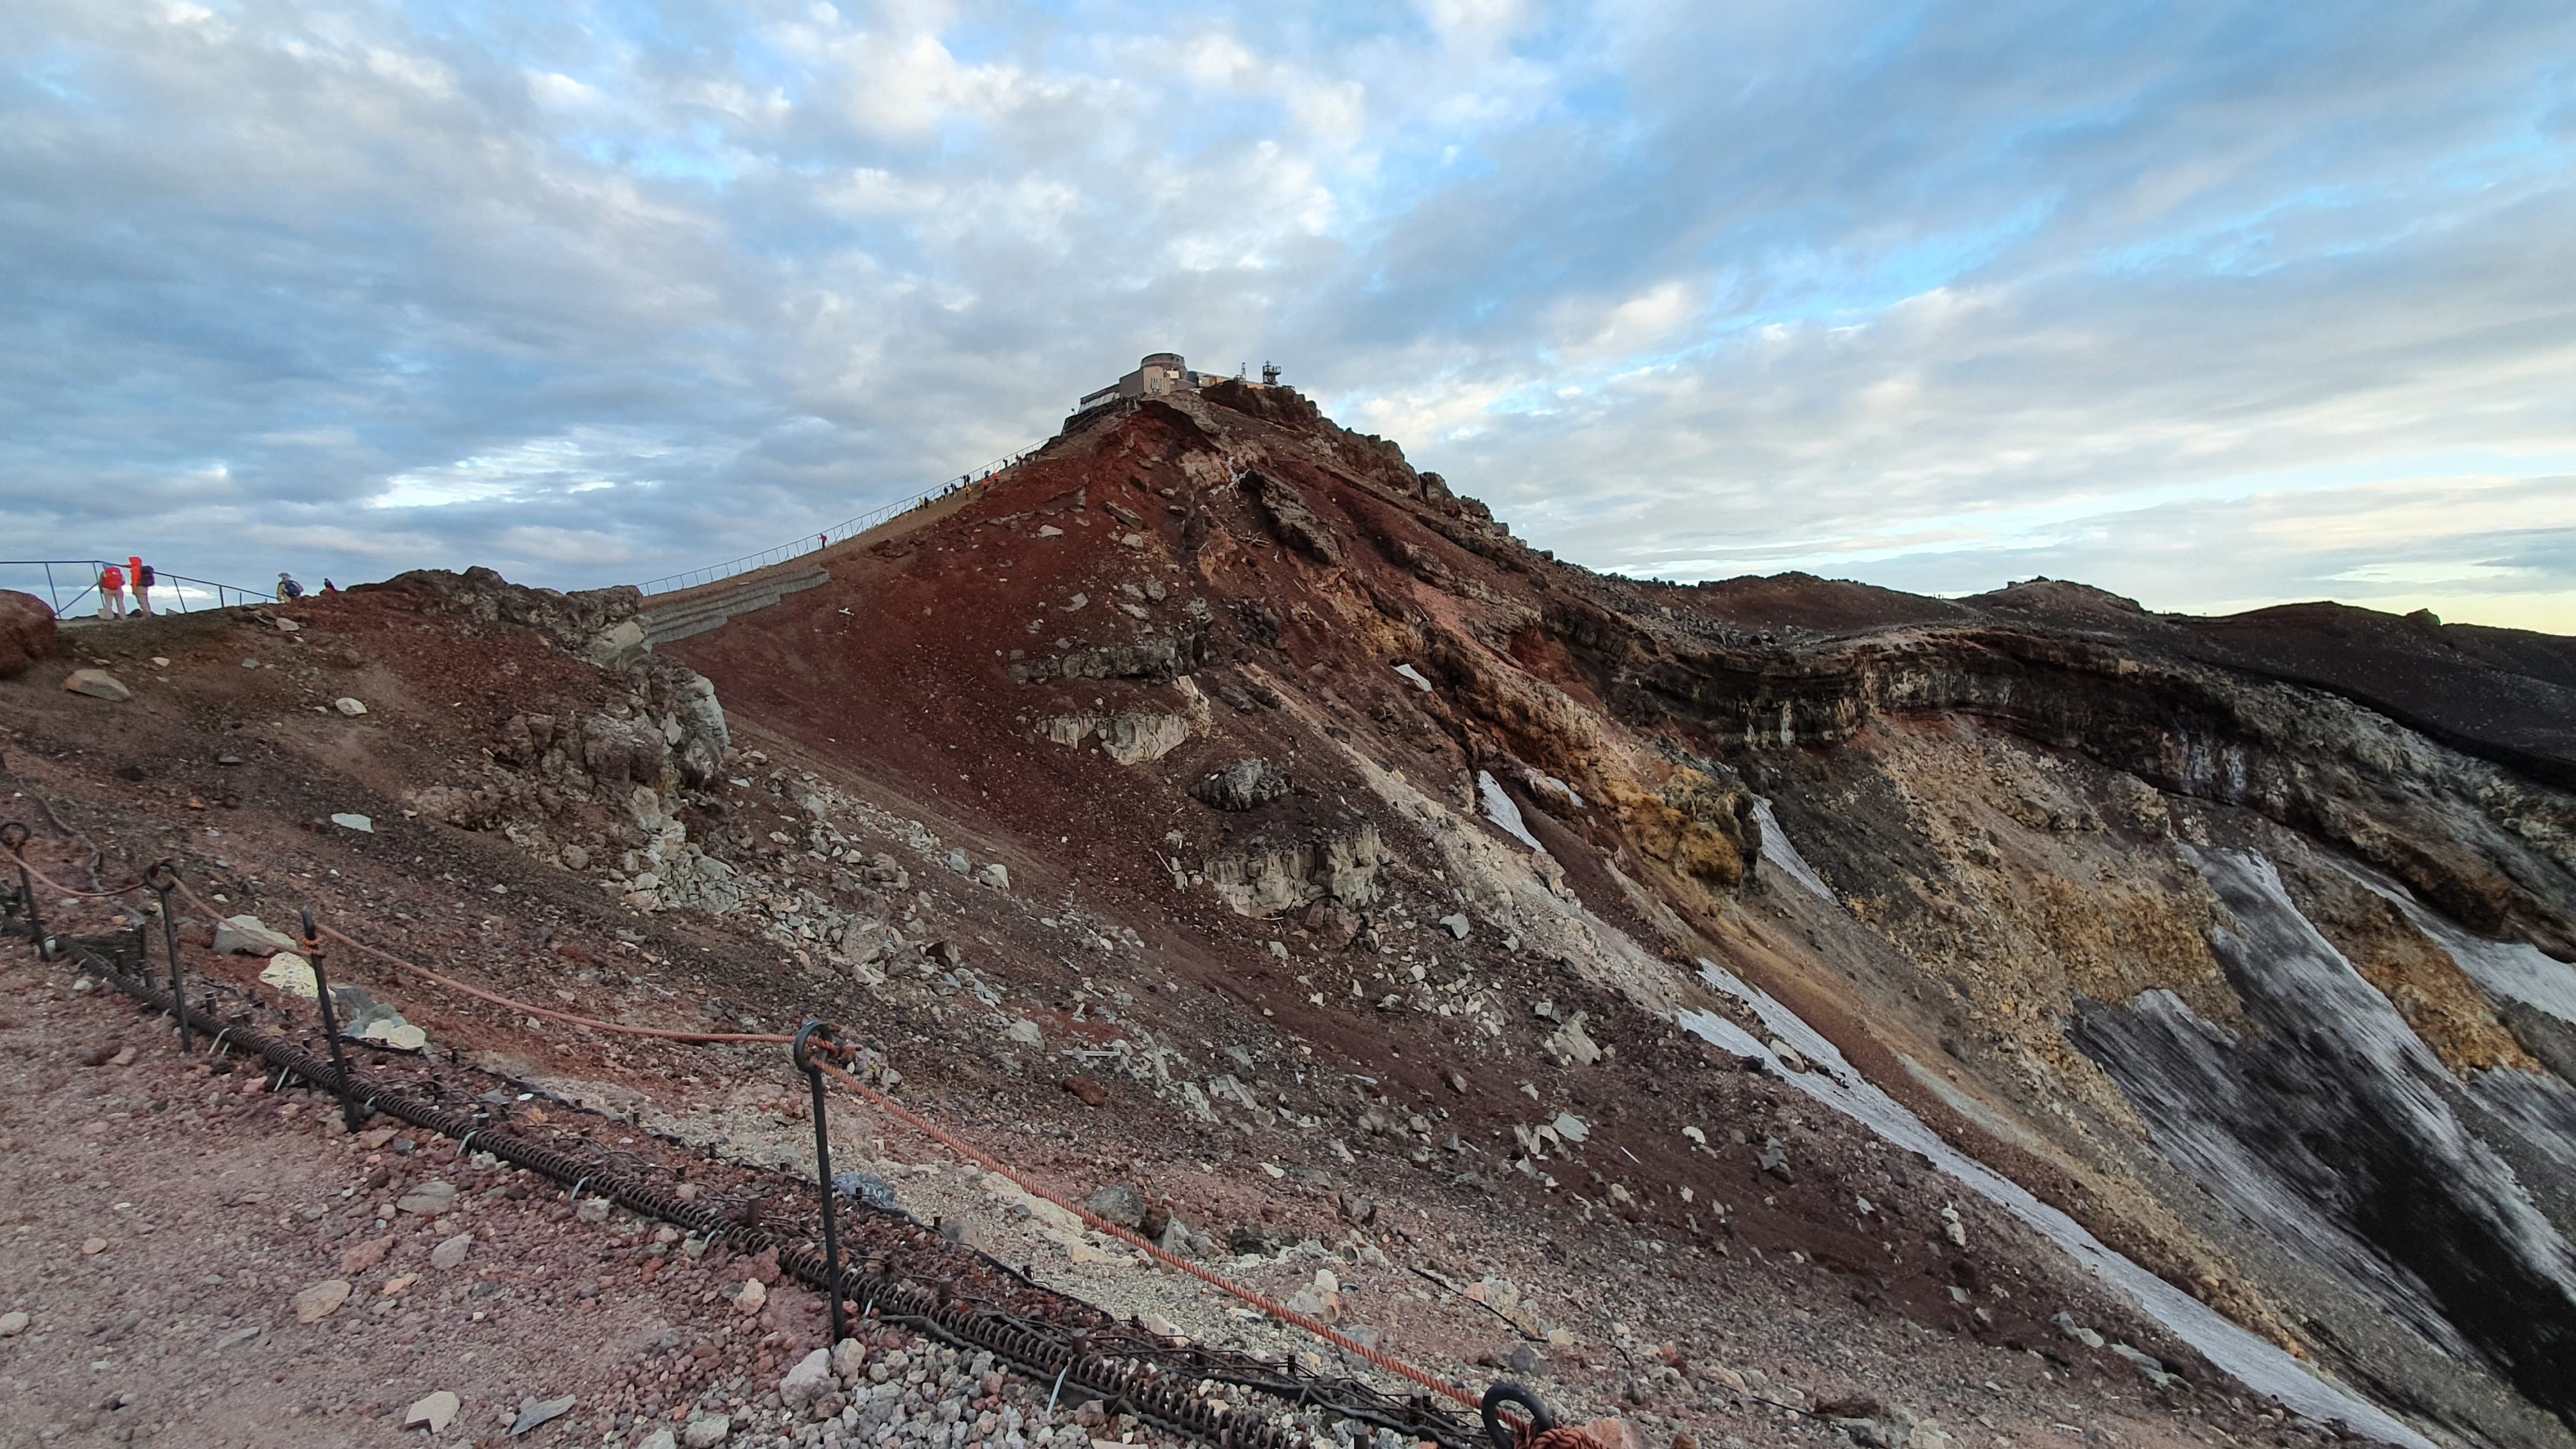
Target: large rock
{"x": 438, "y": 1410}
{"x": 97, "y": 684}
{"x": 1701, "y": 823}
{"x": 319, "y": 1301}
{"x": 536, "y": 1412}
{"x": 1117, "y": 1203}
{"x": 1265, "y": 879}
{"x": 1298, "y": 525}
{"x": 665, "y": 733}
{"x": 250, "y": 936}
{"x": 590, "y": 621}
{"x": 290, "y": 975}
{"x": 429, "y": 1199}
{"x": 1130, "y": 739}
{"x": 809, "y": 1380}
{"x": 26, "y": 632}
{"x": 1571, "y": 1045}
{"x": 1240, "y": 786}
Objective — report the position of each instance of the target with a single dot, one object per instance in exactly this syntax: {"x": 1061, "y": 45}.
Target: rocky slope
{"x": 1961, "y": 1015}
{"x": 2241, "y": 940}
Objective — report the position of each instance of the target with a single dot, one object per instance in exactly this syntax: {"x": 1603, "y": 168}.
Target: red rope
{"x": 494, "y": 997}
{"x": 75, "y": 891}
{"x": 1281, "y": 1312}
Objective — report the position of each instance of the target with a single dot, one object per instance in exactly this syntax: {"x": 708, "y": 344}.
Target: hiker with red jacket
{"x": 140, "y": 578}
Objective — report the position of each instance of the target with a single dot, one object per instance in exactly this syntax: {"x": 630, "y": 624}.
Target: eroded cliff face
{"x": 2243, "y": 944}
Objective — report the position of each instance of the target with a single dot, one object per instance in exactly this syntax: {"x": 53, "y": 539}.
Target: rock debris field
{"x": 193, "y": 1259}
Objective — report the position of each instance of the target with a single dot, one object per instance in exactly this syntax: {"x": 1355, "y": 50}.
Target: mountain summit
{"x": 1764, "y": 1009}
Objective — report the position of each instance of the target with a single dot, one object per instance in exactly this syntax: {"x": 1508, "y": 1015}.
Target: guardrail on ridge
{"x": 170, "y": 594}
{"x": 839, "y": 532}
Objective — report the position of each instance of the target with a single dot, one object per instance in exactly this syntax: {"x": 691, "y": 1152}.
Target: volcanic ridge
{"x": 1774, "y": 1011}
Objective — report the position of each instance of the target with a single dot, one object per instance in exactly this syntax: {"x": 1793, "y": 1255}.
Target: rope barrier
{"x": 439, "y": 978}
{"x": 76, "y": 892}
{"x": 931, "y": 1129}
{"x": 1035, "y": 1347}
{"x": 908, "y": 1117}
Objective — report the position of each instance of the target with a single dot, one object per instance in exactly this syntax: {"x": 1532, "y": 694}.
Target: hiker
{"x": 111, "y": 592}
{"x": 329, "y": 587}
{"x": 140, "y": 577}
{"x": 288, "y": 588}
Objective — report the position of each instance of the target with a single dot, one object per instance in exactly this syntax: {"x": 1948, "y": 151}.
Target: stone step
{"x": 713, "y": 611}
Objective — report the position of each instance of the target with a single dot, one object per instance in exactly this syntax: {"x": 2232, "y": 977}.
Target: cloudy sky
{"x": 2212, "y": 305}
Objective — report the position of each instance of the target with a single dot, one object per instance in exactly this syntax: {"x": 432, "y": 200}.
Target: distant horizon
{"x": 2564, "y": 626}
{"x": 2214, "y": 309}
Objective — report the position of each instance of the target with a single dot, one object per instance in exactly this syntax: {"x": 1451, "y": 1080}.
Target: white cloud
{"x": 2254, "y": 303}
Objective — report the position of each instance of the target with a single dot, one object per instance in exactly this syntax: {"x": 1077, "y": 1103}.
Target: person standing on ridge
{"x": 111, "y": 592}
{"x": 140, "y": 578}
{"x": 288, "y": 588}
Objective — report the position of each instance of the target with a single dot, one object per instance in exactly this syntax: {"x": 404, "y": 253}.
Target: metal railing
{"x": 80, "y": 575}
{"x": 170, "y": 593}
{"x": 212, "y": 595}
{"x": 842, "y": 531}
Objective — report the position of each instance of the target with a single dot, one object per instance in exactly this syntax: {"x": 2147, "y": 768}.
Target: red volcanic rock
{"x": 26, "y": 632}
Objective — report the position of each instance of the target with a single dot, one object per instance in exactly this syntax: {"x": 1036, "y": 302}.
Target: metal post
{"x": 162, "y": 876}
{"x": 12, "y": 901}
{"x": 13, "y": 838}
{"x": 350, "y": 1115}
{"x": 823, "y": 1169}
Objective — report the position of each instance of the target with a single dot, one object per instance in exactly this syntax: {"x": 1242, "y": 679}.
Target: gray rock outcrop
{"x": 1130, "y": 739}
{"x": 1342, "y": 864}
{"x": 1240, "y": 786}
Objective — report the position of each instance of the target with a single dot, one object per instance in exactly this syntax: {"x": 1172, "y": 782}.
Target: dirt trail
{"x": 161, "y": 1220}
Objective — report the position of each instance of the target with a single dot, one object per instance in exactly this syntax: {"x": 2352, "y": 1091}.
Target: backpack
{"x": 144, "y": 577}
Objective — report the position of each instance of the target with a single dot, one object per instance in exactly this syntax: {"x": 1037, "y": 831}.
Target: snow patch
{"x": 1409, "y": 672}
{"x": 1500, "y": 810}
{"x": 1784, "y": 857}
